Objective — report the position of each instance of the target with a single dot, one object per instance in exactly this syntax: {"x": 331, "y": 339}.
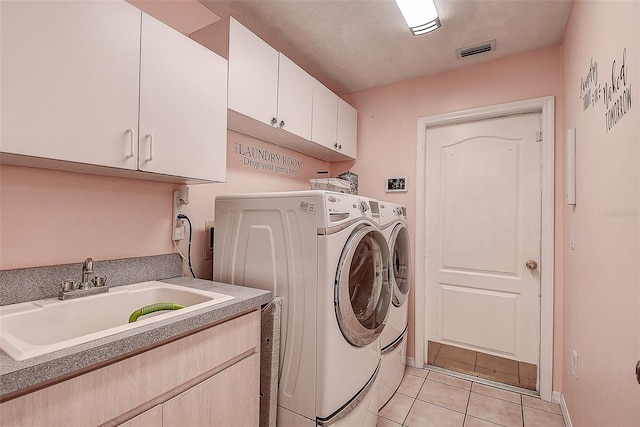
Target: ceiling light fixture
{"x": 421, "y": 15}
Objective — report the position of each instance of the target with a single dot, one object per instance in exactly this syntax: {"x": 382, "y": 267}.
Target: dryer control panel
{"x": 344, "y": 207}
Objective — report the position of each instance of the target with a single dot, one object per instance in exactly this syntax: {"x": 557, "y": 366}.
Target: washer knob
{"x": 363, "y": 206}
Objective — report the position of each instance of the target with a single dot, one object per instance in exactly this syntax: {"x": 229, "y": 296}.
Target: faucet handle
{"x": 68, "y": 285}
{"x": 99, "y": 280}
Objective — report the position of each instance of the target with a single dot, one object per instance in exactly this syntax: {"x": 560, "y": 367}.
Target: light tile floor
{"x": 432, "y": 399}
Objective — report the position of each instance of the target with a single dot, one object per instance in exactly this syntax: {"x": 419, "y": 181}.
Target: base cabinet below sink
{"x": 209, "y": 378}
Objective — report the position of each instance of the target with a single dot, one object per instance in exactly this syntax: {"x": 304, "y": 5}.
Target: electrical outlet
{"x": 180, "y": 198}
{"x": 178, "y": 232}
{"x": 574, "y": 364}
{"x": 572, "y": 238}
{"x": 208, "y": 239}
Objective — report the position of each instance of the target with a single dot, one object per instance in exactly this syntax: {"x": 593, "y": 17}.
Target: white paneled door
{"x": 483, "y": 234}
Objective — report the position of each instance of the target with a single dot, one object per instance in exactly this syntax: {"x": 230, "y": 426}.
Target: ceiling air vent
{"x": 465, "y": 52}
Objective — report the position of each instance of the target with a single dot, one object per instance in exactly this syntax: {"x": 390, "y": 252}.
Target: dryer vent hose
{"x": 153, "y": 308}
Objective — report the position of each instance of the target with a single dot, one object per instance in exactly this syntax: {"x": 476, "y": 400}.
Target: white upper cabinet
{"x": 295, "y": 94}
{"x": 334, "y": 124}
{"x": 325, "y": 116}
{"x": 347, "y": 129}
{"x": 85, "y": 88}
{"x": 270, "y": 97}
{"x": 70, "y": 81}
{"x": 183, "y": 105}
{"x": 253, "y": 74}
{"x": 264, "y": 85}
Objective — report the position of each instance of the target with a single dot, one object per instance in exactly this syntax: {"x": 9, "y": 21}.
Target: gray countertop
{"x": 18, "y": 377}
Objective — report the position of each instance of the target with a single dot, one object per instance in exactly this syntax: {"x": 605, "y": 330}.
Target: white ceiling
{"x": 350, "y": 45}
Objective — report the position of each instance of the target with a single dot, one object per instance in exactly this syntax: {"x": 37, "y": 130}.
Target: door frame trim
{"x": 546, "y": 107}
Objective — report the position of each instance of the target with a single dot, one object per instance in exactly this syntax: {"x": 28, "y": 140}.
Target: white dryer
{"x": 393, "y": 340}
{"x": 323, "y": 253}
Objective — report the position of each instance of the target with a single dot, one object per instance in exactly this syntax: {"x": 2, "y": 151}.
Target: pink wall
{"x": 601, "y": 276}
{"x": 51, "y": 217}
{"x": 387, "y": 132}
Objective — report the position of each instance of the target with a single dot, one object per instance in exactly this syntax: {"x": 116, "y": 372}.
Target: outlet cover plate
{"x": 208, "y": 239}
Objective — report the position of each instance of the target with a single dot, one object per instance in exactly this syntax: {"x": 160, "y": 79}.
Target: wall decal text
{"x": 614, "y": 93}
{"x": 617, "y": 96}
{"x": 267, "y": 160}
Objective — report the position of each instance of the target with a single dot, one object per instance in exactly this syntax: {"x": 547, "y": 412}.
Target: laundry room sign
{"x": 614, "y": 94}
{"x": 265, "y": 160}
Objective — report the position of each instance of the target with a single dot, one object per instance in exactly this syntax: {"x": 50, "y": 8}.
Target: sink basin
{"x": 38, "y": 327}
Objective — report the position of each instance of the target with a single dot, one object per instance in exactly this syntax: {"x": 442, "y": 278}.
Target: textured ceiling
{"x": 351, "y": 45}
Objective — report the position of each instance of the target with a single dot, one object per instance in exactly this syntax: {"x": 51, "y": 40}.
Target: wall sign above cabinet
{"x": 273, "y": 99}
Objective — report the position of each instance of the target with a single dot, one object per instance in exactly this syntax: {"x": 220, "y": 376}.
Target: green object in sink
{"x": 160, "y": 306}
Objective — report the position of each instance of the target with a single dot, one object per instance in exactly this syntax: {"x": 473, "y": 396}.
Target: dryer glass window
{"x": 363, "y": 290}
{"x": 400, "y": 265}
{"x": 365, "y": 285}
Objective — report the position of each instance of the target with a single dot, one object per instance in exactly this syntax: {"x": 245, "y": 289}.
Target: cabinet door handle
{"x": 130, "y": 132}
{"x": 274, "y": 121}
{"x": 337, "y": 147}
{"x": 281, "y": 123}
{"x": 150, "y": 136}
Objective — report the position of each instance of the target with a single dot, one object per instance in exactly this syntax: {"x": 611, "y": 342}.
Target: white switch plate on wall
{"x": 396, "y": 184}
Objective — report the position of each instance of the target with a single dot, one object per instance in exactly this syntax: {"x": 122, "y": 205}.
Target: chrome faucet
{"x": 87, "y": 269}
{"x": 70, "y": 290}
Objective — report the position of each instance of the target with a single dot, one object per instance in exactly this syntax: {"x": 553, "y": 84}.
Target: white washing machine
{"x": 393, "y": 340}
{"x": 323, "y": 253}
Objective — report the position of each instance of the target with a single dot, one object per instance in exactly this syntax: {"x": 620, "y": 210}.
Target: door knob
{"x": 531, "y": 264}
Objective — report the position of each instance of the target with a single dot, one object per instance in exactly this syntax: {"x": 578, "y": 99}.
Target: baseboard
{"x": 558, "y": 397}
{"x": 411, "y": 361}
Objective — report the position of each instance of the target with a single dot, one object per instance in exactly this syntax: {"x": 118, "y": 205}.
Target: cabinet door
{"x": 253, "y": 74}
{"x": 70, "y": 80}
{"x": 183, "y": 109}
{"x": 229, "y": 398}
{"x": 295, "y": 98}
{"x": 325, "y": 116}
{"x": 347, "y": 129}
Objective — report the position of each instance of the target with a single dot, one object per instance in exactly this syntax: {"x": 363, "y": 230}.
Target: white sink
{"x": 35, "y": 328}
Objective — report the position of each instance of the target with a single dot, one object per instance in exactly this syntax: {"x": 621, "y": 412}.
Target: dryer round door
{"x": 362, "y": 290}
{"x": 400, "y": 253}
